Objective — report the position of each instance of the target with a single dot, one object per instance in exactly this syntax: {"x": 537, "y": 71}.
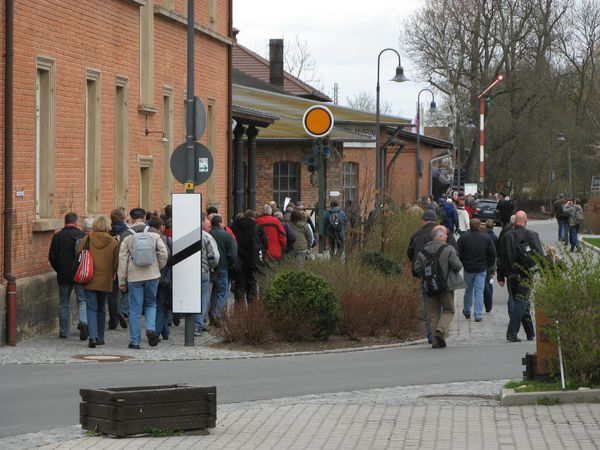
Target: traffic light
{"x": 311, "y": 164}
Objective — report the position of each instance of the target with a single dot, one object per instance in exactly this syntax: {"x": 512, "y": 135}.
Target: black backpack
{"x": 525, "y": 256}
{"x": 335, "y": 223}
{"x": 433, "y": 281}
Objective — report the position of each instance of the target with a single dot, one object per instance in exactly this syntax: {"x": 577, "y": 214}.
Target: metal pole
{"x": 378, "y": 174}
{"x": 417, "y": 190}
{"x": 189, "y": 185}
{"x": 322, "y": 175}
{"x": 560, "y": 358}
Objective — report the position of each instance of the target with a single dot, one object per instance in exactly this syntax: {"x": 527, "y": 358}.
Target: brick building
{"x": 98, "y": 107}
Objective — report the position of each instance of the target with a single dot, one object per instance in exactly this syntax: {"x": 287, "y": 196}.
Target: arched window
{"x": 350, "y": 181}
{"x": 286, "y": 181}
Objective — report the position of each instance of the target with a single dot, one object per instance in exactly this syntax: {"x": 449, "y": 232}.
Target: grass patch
{"x": 541, "y": 386}
{"x": 163, "y": 432}
{"x": 594, "y": 241}
{"x": 91, "y": 433}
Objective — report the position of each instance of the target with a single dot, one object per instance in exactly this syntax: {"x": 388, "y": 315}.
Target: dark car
{"x": 485, "y": 209}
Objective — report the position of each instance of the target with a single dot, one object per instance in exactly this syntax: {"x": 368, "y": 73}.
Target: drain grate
{"x": 103, "y": 358}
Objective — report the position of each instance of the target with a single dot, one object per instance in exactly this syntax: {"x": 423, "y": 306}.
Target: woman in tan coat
{"x": 105, "y": 254}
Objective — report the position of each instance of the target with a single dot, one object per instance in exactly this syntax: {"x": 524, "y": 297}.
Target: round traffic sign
{"x": 203, "y": 162}
{"x": 318, "y": 121}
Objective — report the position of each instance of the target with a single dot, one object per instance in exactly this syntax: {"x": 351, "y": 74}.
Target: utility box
{"x": 129, "y": 411}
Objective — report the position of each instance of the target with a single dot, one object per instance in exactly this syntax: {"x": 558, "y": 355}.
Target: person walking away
{"x": 335, "y": 222}
{"x": 275, "y": 233}
{"x": 302, "y": 232}
{"x": 561, "y": 218}
{"x": 252, "y": 245}
{"x": 574, "y": 213}
{"x": 450, "y": 216}
{"x": 417, "y": 243}
{"x": 61, "y": 255}
{"x": 290, "y": 236}
{"x": 477, "y": 254}
{"x": 164, "y": 291}
{"x": 488, "y": 290}
{"x": 519, "y": 252}
{"x": 210, "y": 260}
{"x": 118, "y": 303}
{"x": 463, "y": 219}
{"x": 228, "y": 252}
{"x": 105, "y": 255}
{"x": 141, "y": 256}
{"x": 438, "y": 262}
{"x": 505, "y": 208}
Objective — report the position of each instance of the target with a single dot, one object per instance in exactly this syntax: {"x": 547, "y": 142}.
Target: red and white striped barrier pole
{"x": 498, "y": 79}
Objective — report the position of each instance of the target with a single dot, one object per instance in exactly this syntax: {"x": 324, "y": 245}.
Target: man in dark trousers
{"x": 441, "y": 305}
{"x": 477, "y": 254}
{"x": 335, "y": 228}
{"x": 227, "y": 262}
{"x": 61, "y": 256}
{"x": 518, "y": 251}
{"x": 505, "y": 208}
{"x": 417, "y": 243}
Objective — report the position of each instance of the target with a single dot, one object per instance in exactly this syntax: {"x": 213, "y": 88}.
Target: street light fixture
{"x": 379, "y": 160}
{"x": 561, "y": 138}
{"x": 419, "y": 165}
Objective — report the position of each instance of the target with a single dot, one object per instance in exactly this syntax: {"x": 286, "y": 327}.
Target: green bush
{"x": 381, "y": 262}
{"x": 300, "y": 302}
{"x": 570, "y": 297}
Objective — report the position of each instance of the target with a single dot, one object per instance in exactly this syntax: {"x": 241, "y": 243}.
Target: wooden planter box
{"x": 135, "y": 410}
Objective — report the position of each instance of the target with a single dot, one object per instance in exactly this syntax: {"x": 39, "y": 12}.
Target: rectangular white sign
{"x": 470, "y": 188}
{"x": 187, "y": 253}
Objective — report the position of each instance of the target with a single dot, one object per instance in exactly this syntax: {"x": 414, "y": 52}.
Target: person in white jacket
{"x": 463, "y": 218}
{"x": 141, "y": 281}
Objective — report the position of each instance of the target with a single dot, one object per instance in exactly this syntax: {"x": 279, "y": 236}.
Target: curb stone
{"x": 511, "y": 398}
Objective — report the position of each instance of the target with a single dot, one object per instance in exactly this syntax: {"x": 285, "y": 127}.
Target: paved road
{"x": 41, "y": 396}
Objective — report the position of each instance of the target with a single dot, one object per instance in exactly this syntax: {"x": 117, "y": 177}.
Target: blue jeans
{"x": 64, "y": 308}
{"x": 95, "y": 302}
{"x": 520, "y": 312}
{"x": 474, "y": 289}
{"x": 199, "y": 322}
{"x": 142, "y": 294}
{"x": 220, "y": 292}
{"x": 573, "y": 239}
{"x": 563, "y": 229}
{"x": 425, "y": 302}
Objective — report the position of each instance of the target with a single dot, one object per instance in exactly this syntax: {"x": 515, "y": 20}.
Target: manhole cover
{"x": 103, "y": 358}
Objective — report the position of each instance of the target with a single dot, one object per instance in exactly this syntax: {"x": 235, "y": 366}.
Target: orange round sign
{"x": 318, "y": 121}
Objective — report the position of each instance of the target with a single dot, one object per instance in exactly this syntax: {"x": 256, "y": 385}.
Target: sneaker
{"x": 176, "y": 319}
{"x": 122, "y": 320}
{"x": 92, "y": 343}
{"x": 467, "y": 315}
{"x": 513, "y": 339}
{"x": 531, "y": 338}
{"x": 478, "y": 319}
{"x": 61, "y": 336}
{"x": 438, "y": 340}
{"x": 100, "y": 342}
{"x": 197, "y": 332}
{"x": 152, "y": 338}
{"x": 134, "y": 346}
{"x": 83, "y": 331}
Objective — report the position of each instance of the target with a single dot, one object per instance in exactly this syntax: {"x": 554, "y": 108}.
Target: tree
{"x": 363, "y": 101}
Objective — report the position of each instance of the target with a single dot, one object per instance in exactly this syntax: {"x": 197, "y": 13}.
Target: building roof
{"x": 349, "y": 124}
{"x": 429, "y": 140}
{"x": 251, "y": 63}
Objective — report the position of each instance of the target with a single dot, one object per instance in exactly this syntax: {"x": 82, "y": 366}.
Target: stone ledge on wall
{"x": 37, "y": 305}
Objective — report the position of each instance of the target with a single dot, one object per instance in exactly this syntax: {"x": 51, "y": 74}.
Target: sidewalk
{"x": 454, "y": 415}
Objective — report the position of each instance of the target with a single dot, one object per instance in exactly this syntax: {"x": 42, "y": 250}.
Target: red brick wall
{"x": 2, "y": 46}
{"x": 103, "y": 35}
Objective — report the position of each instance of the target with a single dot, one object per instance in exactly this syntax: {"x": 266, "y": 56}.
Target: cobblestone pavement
{"x": 453, "y": 416}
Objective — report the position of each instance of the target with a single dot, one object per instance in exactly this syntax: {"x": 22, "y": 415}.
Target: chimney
{"x": 276, "y": 62}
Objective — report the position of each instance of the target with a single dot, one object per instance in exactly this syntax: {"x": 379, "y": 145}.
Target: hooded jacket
{"x": 62, "y": 252}
{"x": 251, "y": 239}
{"x": 449, "y": 264}
{"x": 105, "y": 254}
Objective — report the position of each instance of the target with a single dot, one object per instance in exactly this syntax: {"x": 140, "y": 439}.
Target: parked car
{"x": 485, "y": 209}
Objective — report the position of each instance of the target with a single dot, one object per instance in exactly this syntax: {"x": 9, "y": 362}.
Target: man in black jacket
{"x": 417, "y": 243}
{"x": 477, "y": 254}
{"x": 61, "y": 256}
{"x": 515, "y": 247}
{"x": 220, "y": 276}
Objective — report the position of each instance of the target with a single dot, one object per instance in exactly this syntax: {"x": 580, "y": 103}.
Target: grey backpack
{"x": 143, "y": 248}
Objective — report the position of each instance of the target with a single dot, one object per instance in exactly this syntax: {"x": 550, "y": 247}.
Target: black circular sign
{"x": 203, "y": 161}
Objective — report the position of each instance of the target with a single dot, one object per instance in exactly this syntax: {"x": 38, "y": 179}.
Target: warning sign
{"x": 318, "y": 121}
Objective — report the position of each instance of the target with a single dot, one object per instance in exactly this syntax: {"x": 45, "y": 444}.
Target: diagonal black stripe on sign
{"x": 187, "y": 252}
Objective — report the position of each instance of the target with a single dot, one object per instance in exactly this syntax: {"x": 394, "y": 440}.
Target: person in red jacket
{"x": 274, "y": 231}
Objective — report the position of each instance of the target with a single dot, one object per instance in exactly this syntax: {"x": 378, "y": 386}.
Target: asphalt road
{"x": 43, "y": 396}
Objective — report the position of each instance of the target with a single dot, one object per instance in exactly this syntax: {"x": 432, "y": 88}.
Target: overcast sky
{"x": 344, "y": 38}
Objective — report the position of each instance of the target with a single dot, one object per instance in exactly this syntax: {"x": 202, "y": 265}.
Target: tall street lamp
{"x": 419, "y": 165}
{"x": 561, "y": 138}
{"x": 379, "y": 160}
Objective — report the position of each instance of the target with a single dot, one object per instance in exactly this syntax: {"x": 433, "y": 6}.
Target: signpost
{"x": 318, "y": 122}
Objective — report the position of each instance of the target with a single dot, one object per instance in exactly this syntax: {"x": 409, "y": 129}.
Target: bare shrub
{"x": 245, "y": 324}
{"x": 291, "y": 325}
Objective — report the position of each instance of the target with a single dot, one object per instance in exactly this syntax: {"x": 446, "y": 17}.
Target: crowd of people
{"x": 132, "y": 267}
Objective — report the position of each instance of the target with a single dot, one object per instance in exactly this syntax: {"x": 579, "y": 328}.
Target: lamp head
{"x": 470, "y": 123}
{"x": 433, "y": 107}
{"x": 399, "y": 77}
{"x": 164, "y": 139}
{"x": 561, "y": 137}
